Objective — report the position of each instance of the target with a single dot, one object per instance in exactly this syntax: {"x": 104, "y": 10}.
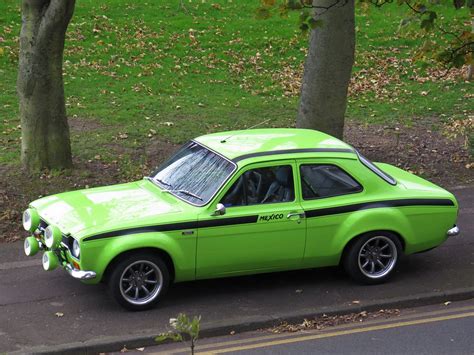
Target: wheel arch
{"x": 352, "y": 240}
{"x": 165, "y": 256}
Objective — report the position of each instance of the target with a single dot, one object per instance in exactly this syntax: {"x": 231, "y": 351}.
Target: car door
{"x": 328, "y": 187}
{"x": 263, "y": 228}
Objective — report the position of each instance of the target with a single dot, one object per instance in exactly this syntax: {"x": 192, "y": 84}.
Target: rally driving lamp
{"x": 31, "y": 220}
{"x": 31, "y": 246}
{"x": 50, "y": 261}
{"x": 52, "y": 237}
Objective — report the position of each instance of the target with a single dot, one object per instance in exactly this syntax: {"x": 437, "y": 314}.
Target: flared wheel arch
{"x": 158, "y": 252}
{"x": 355, "y": 238}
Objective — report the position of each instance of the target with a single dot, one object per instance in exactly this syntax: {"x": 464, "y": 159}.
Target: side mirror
{"x": 220, "y": 210}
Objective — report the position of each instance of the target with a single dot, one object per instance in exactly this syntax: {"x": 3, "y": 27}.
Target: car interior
{"x": 262, "y": 185}
{"x": 326, "y": 180}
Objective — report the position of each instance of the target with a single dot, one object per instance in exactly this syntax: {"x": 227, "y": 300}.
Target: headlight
{"x": 76, "y": 250}
{"x": 31, "y": 246}
{"x": 30, "y": 220}
{"x": 50, "y": 261}
{"x": 52, "y": 237}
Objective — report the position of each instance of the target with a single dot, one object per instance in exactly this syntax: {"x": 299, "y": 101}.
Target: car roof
{"x": 239, "y": 145}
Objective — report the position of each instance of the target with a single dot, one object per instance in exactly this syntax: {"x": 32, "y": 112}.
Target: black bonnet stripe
{"x": 219, "y": 222}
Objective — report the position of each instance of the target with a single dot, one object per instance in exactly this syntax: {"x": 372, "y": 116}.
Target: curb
{"x": 110, "y": 344}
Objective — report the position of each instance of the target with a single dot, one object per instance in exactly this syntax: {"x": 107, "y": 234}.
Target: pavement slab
{"x": 31, "y": 299}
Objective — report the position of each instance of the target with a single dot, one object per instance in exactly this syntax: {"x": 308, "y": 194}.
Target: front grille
{"x": 68, "y": 241}
{"x": 42, "y": 226}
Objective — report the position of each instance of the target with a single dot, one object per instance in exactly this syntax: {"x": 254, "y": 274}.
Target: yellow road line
{"x": 343, "y": 326}
{"x": 339, "y": 333}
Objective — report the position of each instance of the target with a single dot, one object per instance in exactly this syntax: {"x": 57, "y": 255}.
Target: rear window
{"x": 379, "y": 172}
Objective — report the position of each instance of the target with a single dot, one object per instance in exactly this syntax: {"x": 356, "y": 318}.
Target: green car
{"x": 239, "y": 203}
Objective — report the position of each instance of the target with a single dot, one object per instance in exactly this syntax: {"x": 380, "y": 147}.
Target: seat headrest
{"x": 283, "y": 175}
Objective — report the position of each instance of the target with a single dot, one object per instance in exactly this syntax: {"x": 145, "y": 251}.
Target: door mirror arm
{"x": 220, "y": 210}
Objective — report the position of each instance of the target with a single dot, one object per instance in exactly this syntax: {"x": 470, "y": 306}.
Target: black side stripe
{"x": 227, "y": 221}
{"x": 292, "y": 151}
{"x": 176, "y": 226}
{"x": 253, "y": 219}
{"x": 378, "y": 204}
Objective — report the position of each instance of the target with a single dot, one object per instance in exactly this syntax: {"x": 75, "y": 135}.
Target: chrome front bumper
{"x": 79, "y": 274}
{"x": 453, "y": 231}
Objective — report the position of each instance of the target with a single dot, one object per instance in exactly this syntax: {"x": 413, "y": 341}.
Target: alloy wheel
{"x": 141, "y": 282}
{"x": 377, "y": 257}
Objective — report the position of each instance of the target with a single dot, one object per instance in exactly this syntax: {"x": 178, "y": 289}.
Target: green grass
{"x": 151, "y": 68}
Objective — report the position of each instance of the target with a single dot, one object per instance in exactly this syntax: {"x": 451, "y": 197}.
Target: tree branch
{"x": 380, "y": 3}
{"x": 60, "y": 11}
{"x": 442, "y": 30}
{"x": 338, "y": 3}
{"x": 37, "y": 5}
{"x": 56, "y": 17}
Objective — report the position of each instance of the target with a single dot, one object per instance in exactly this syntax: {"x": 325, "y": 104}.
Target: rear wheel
{"x": 373, "y": 257}
{"x": 138, "y": 281}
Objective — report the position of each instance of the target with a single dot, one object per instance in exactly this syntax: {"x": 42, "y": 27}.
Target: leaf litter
{"x": 326, "y": 321}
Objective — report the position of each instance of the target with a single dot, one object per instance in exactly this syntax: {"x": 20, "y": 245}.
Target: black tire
{"x": 367, "y": 259}
{"x": 144, "y": 272}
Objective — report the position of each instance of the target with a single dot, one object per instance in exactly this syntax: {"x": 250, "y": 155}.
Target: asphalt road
{"x": 429, "y": 330}
{"x": 31, "y": 299}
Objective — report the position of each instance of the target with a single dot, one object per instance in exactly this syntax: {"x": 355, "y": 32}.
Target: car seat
{"x": 281, "y": 190}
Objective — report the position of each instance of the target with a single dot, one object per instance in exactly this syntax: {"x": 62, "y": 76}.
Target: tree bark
{"x": 470, "y": 69}
{"x": 328, "y": 69}
{"x": 45, "y": 142}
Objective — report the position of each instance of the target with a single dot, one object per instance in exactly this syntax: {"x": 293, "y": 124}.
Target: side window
{"x": 320, "y": 180}
{"x": 262, "y": 185}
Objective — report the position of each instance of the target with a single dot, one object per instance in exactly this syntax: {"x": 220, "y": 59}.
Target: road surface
{"x": 50, "y": 309}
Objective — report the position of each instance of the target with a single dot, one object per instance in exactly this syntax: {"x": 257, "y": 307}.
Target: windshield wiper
{"x": 186, "y": 192}
{"x": 163, "y": 182}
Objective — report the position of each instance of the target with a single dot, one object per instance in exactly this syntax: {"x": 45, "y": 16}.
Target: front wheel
{"x": 138, "y": 281}
{"x": 373, "y": 257}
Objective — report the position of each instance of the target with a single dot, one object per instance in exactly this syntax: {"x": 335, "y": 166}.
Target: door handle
{"x": 295, "y": 214}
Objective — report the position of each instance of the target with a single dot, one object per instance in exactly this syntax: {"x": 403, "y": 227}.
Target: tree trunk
{"x": 470, "y": 69}
{"x": 328, "y": 69}
{"x": 45, "y": 142}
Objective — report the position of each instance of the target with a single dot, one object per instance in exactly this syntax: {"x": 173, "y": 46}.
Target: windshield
{"x": 194, "y": 174}
{"x": 376, "y": 169}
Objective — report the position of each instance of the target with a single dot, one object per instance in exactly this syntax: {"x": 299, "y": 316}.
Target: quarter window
{"x": 376, "y": 169}
{"x": 323, "y": 180}
{"x": 262, "y": 185}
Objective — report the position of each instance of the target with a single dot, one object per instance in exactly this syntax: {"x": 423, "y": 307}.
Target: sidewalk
{"x": 30, "y": 298}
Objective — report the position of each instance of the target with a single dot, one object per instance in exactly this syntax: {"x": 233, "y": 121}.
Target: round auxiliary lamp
{"x": 31, "y": 220}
